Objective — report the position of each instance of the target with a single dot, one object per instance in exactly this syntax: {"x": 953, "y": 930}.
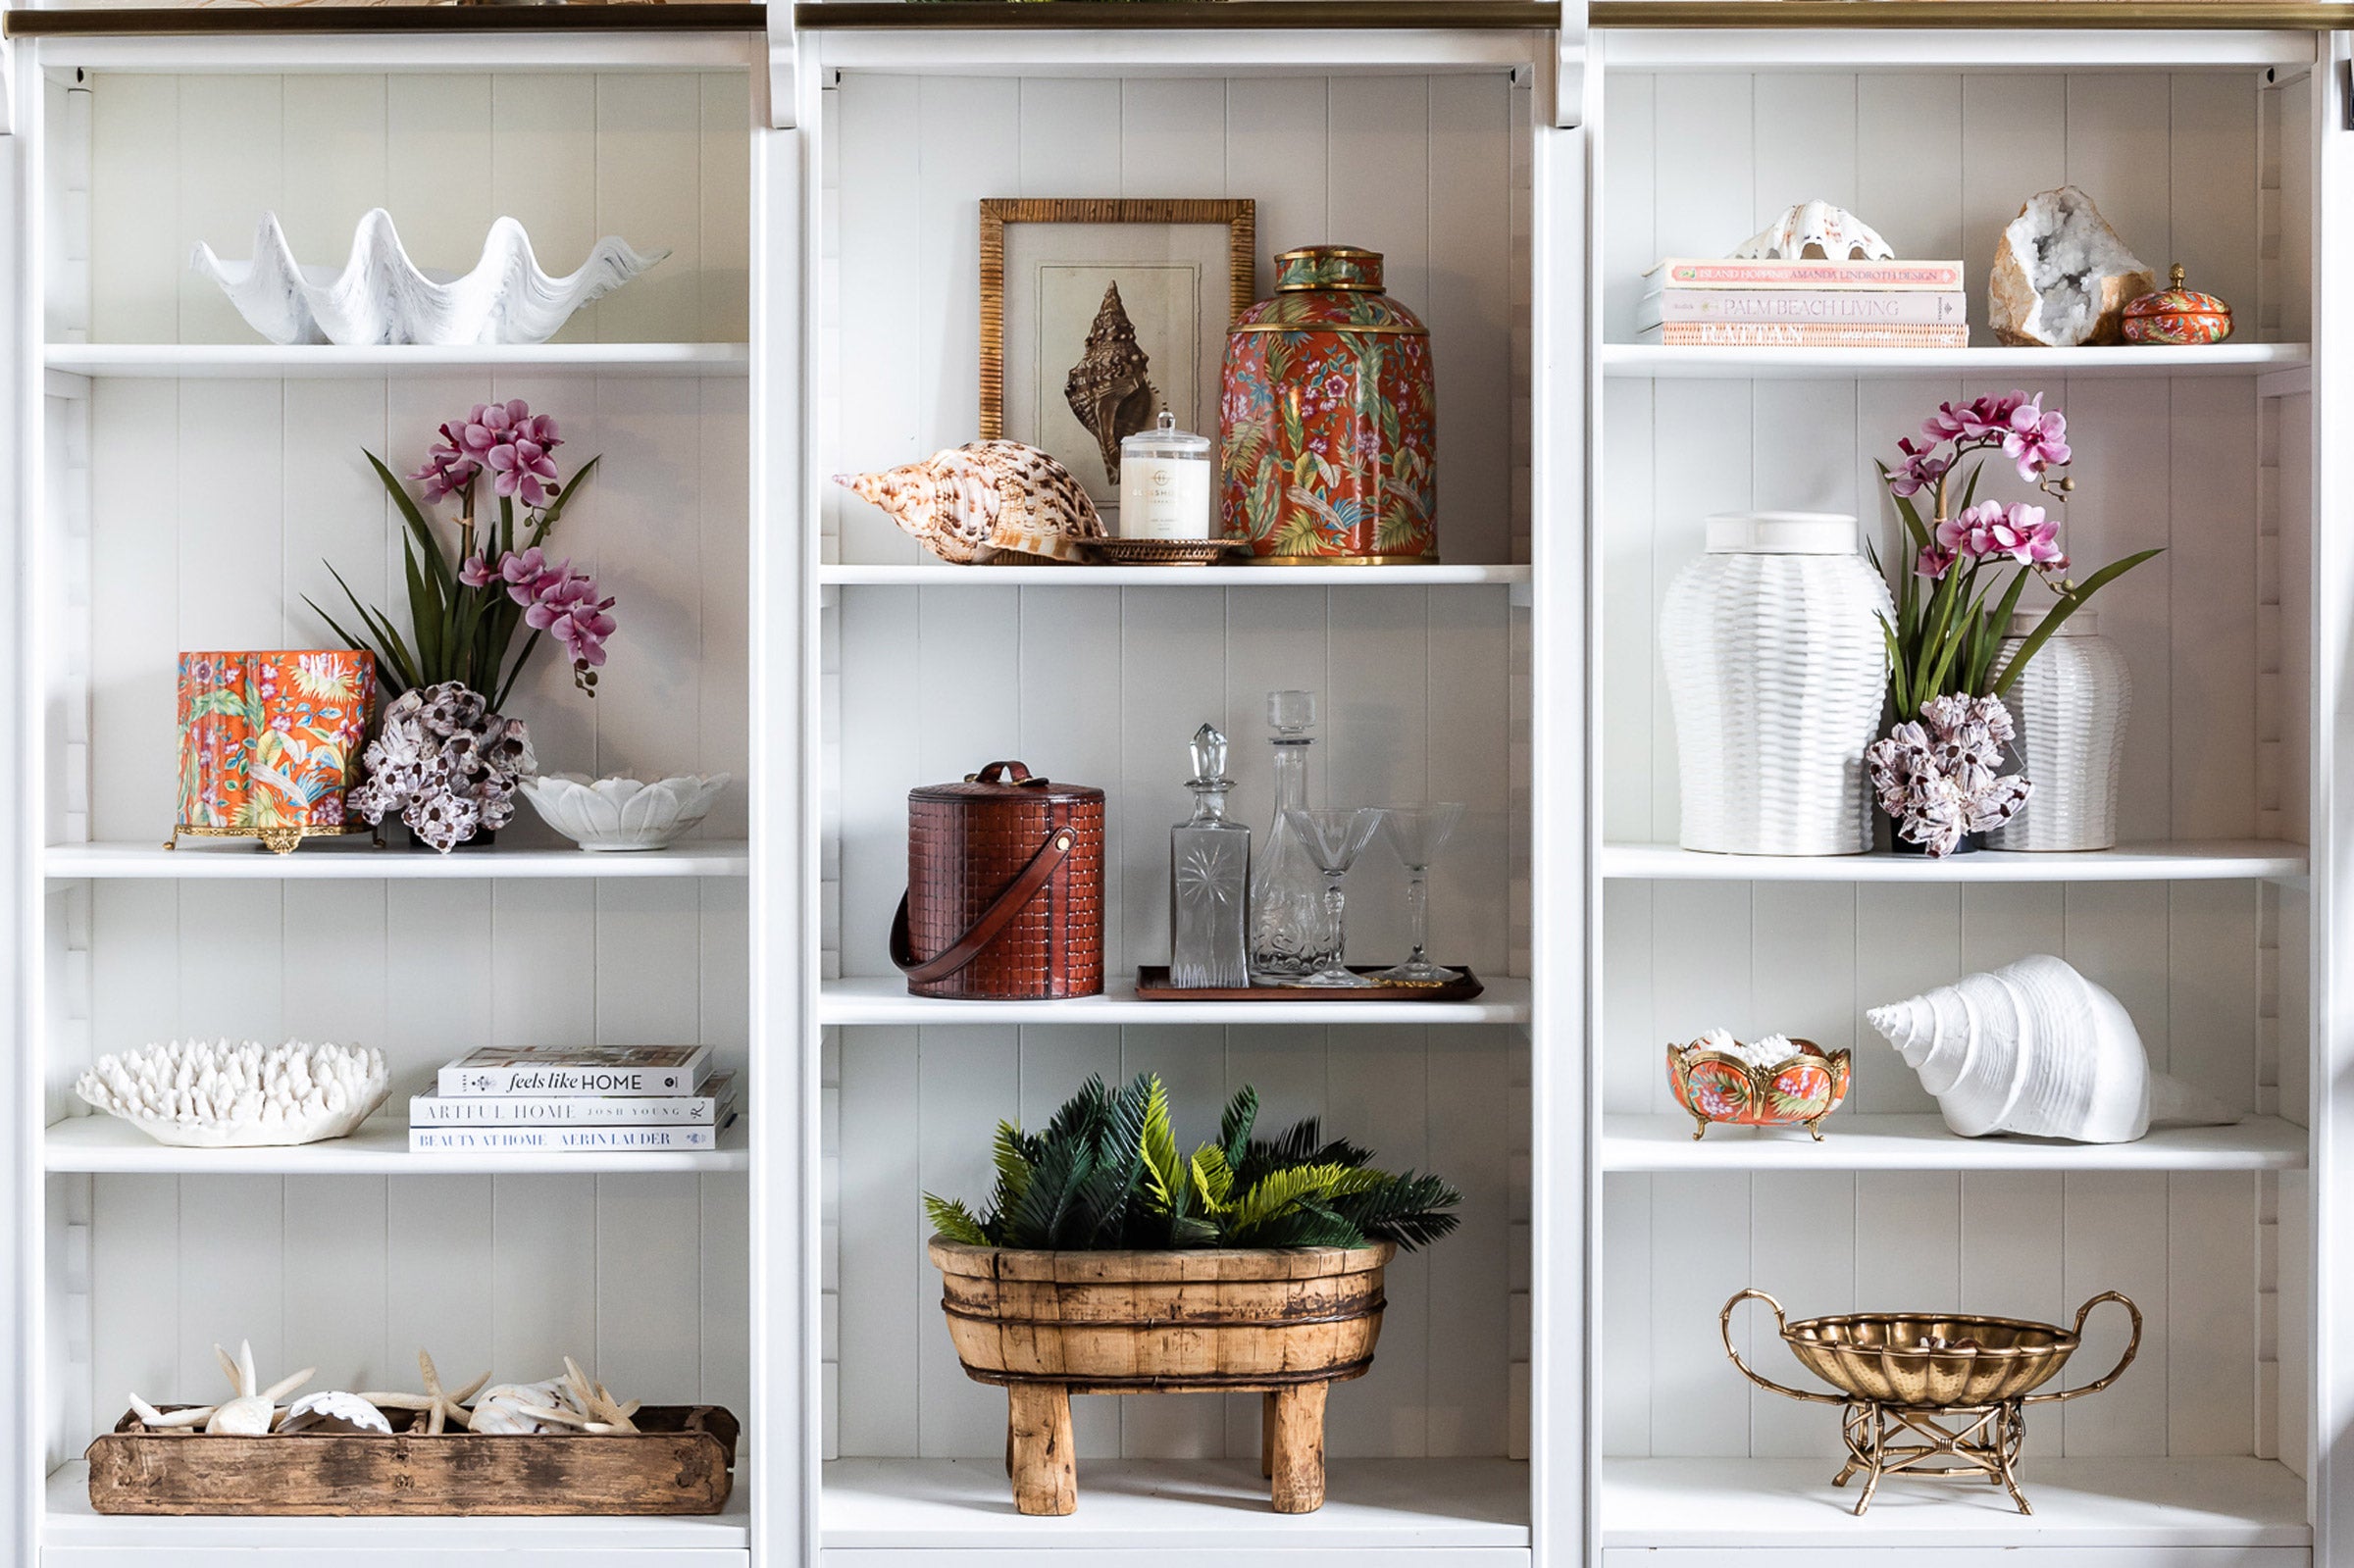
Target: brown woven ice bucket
{"x": 1005, "y": 888}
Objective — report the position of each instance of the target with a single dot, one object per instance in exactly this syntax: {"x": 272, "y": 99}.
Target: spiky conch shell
{"x": 1108, "y": 389}
{"x": 2035, "y": 1048}
{"x": 986, "y": 499}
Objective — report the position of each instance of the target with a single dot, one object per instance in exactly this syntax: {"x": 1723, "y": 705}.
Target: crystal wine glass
{"x": 1333, "y": 836}
{"x": 1417, "y": 833}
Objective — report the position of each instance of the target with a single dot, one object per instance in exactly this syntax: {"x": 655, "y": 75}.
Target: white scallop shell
{"x": 970, "y": 503}
{"x": 621, "y": 813}
{"x": 380, "y": 296}
{"x": 2035, "y": 1048}
{"x": 212, "y": 1094}
{"x": 335, "y": 1406}
{"x": 1819, "y": 231}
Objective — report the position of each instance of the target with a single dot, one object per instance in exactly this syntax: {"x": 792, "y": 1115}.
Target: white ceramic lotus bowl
{"x": 380, "y": 296}
{"x": 623, "y": 814}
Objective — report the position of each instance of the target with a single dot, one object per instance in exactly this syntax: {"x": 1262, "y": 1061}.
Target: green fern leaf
{"x": 1164, "y": 1174}
{"x": 1234, "y": 1127}
{"x": 1214, "y": 1178}
{"x": 954, "y": 1221}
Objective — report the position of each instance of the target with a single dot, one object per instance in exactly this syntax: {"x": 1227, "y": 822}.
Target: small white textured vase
{"x": 1778, "y": 671}
{"x": 2069, "y": 706}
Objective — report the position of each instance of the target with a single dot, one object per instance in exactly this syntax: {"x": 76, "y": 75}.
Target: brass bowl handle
{"x": 2132, "y": 1347}
{"x": 1724, "y": 1330}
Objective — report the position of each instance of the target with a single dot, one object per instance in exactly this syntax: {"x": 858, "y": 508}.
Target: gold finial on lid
{"x": 2174, "y": 276}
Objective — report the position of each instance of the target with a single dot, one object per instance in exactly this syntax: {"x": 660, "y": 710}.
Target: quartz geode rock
{"x": 2062, "y": 277}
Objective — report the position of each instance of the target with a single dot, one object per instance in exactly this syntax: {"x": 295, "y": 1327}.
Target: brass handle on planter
{"x": 1724, "y": 1330}
{"x": 2132, "y": 1347}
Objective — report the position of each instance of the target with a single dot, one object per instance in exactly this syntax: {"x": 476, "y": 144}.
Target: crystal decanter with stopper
{"x": 1209, "y": 878}
{"x": 1290, "y": 934}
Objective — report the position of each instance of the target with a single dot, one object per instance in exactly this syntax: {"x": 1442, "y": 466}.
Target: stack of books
{"x": 1804, "y": 304}
{"x": 582, "y": 1100}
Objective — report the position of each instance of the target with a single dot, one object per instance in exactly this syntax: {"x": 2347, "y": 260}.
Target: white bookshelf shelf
{"x": 330, "y": 361}
{"x": 883, "y": 1000}
{"x": 2120, "y": 1504}
{"x": 2181, "y": 860}
{"x": 1854, "y": 1142}
{"x": 381, "y": 1148}
{"x": 936, "y": 574}
{"x": 1660, "y": 362}
{"x": 1373, "y": 1506}
{"x": 356, "y": 860}
{"x": 75, "y": 1534}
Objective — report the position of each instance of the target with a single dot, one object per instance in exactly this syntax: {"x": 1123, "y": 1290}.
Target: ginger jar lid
{"x": 1322, "y": 267}
{"x": 1781, "y": 533}
{"x": 2083, "y": 624}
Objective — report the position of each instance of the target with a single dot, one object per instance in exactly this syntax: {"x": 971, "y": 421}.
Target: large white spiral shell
{"x": 2035, "y": 1048}
{"x": 215, "y": 1095}
{"x": 380, "y": 296}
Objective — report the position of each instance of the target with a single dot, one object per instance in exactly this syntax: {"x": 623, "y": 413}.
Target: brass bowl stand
{"x": 1934, "y": 1443}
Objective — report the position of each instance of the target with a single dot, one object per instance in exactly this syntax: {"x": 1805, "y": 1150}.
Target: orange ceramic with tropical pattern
{"x": 269, "y": 743}
{"x": 1796, "y": 1091}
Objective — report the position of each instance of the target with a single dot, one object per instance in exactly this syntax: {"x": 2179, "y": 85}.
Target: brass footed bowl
{"x": 1929, "y": 1360}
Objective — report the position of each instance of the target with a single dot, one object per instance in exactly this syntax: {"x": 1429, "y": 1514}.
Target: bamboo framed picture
{"x": 1098, "y": 313}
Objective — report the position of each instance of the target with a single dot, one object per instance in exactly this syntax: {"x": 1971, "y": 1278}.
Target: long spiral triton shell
{"x": 988, "y": 501}
{"x": 2035, "y": 1048}
{"x": 1107, "y": 388}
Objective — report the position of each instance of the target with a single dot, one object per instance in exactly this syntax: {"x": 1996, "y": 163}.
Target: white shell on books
{"x": 2070, "y": 707}
{"x": 1815, "y": 230}
{"x": 214, "y": 1094}
{"x": 380, "y": 296}
{"x": 1776, "y": 670}
{"x": 2035, "y": 1048}
{"x": 622, "y": 814}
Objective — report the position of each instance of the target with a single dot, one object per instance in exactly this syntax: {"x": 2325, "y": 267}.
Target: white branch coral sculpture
{"x": 214, "y": 1094}
{"x": 380, "y": 296}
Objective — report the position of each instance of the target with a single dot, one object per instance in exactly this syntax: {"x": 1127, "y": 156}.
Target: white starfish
{"x": 593, "y": 1410}
{"x": 251, "y": 1411}
{"x": 444, "y": 1407}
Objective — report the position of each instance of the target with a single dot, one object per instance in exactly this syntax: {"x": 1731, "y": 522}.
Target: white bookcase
{"x": 1549, "y": 1389}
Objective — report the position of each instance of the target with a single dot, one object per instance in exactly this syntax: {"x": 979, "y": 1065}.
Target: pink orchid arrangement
{"x": 464, "y": 615}
{"x": 1973, "y": 560}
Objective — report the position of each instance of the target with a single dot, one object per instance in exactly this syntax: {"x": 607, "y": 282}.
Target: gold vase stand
{"x": 1939, "y": 1443}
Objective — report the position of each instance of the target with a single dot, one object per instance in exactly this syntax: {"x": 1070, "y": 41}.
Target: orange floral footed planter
{"x": 1286, "y": 1323}
{"x": 270, "y": 743}
{"x": 1798, "y": 1091}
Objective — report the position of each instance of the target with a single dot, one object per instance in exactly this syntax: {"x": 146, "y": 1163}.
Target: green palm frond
{"x": 1234, "y": 1126}
{"x": 954, "y": 1221}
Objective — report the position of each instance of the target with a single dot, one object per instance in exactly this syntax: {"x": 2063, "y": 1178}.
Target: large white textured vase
{"x": 1777, "y": 670}
{"x": 2035, "y": 1048}
{"x": 2069, "y": 706}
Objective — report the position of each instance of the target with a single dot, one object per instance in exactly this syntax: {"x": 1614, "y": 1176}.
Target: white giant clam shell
{"x": 2035, "y": 1048}
{"x": 621, "y": 813}
{"x": 214, "y": 1094}
{"x": 1815, "y": 230}
{"x": 380, "y": 296}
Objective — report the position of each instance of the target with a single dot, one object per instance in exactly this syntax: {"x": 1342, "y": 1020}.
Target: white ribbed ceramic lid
{"x": 2083, "y": 624}
{"x": 1781, "y": 533}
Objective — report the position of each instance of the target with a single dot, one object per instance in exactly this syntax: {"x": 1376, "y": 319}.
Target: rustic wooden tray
{"x": 1152, "y": 985}
{"x": 678, "y": 1463}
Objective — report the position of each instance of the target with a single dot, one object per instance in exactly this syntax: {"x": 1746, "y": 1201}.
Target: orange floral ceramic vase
{"x": 1328, "y": 418}
{"x": 1798, "y": 1091}
{"x": 269, "y": 743}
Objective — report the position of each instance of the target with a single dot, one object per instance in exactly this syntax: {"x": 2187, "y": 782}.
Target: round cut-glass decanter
{"x": 1290, "y": 936}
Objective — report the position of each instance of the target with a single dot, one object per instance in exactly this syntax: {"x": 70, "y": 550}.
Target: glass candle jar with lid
{"x": 1164, "y": 483}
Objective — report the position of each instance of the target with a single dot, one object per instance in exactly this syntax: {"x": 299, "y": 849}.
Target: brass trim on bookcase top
{"x": 220, "y": 20}
{"x": 1238, "y": 215}
{"x": 2310, "y": 16}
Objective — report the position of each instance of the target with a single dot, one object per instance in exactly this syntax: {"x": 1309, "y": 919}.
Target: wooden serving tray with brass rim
{"x": 677, "y": 1462}
{"x": 1152, "y": 985}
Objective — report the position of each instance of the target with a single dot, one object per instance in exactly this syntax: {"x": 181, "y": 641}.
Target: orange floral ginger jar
{"x": 269, "y": 743}
{"x": 1328, "y": 420}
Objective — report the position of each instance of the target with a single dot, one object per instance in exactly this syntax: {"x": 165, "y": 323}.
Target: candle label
{"x": 1164, "y": 498}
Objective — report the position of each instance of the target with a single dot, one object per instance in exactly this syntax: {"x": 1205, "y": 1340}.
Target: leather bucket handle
{"x": 994, "y": 919}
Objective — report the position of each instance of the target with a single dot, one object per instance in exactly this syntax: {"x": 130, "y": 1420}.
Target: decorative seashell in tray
{"x": 1774, "y": 1082}
{"x": 212, "y": 1094}
{"x": 2035, "y": 1048}
{"x": 380, "y": 296}
{"x": 988, "y": 502}
{"x": 621, "y": 813}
